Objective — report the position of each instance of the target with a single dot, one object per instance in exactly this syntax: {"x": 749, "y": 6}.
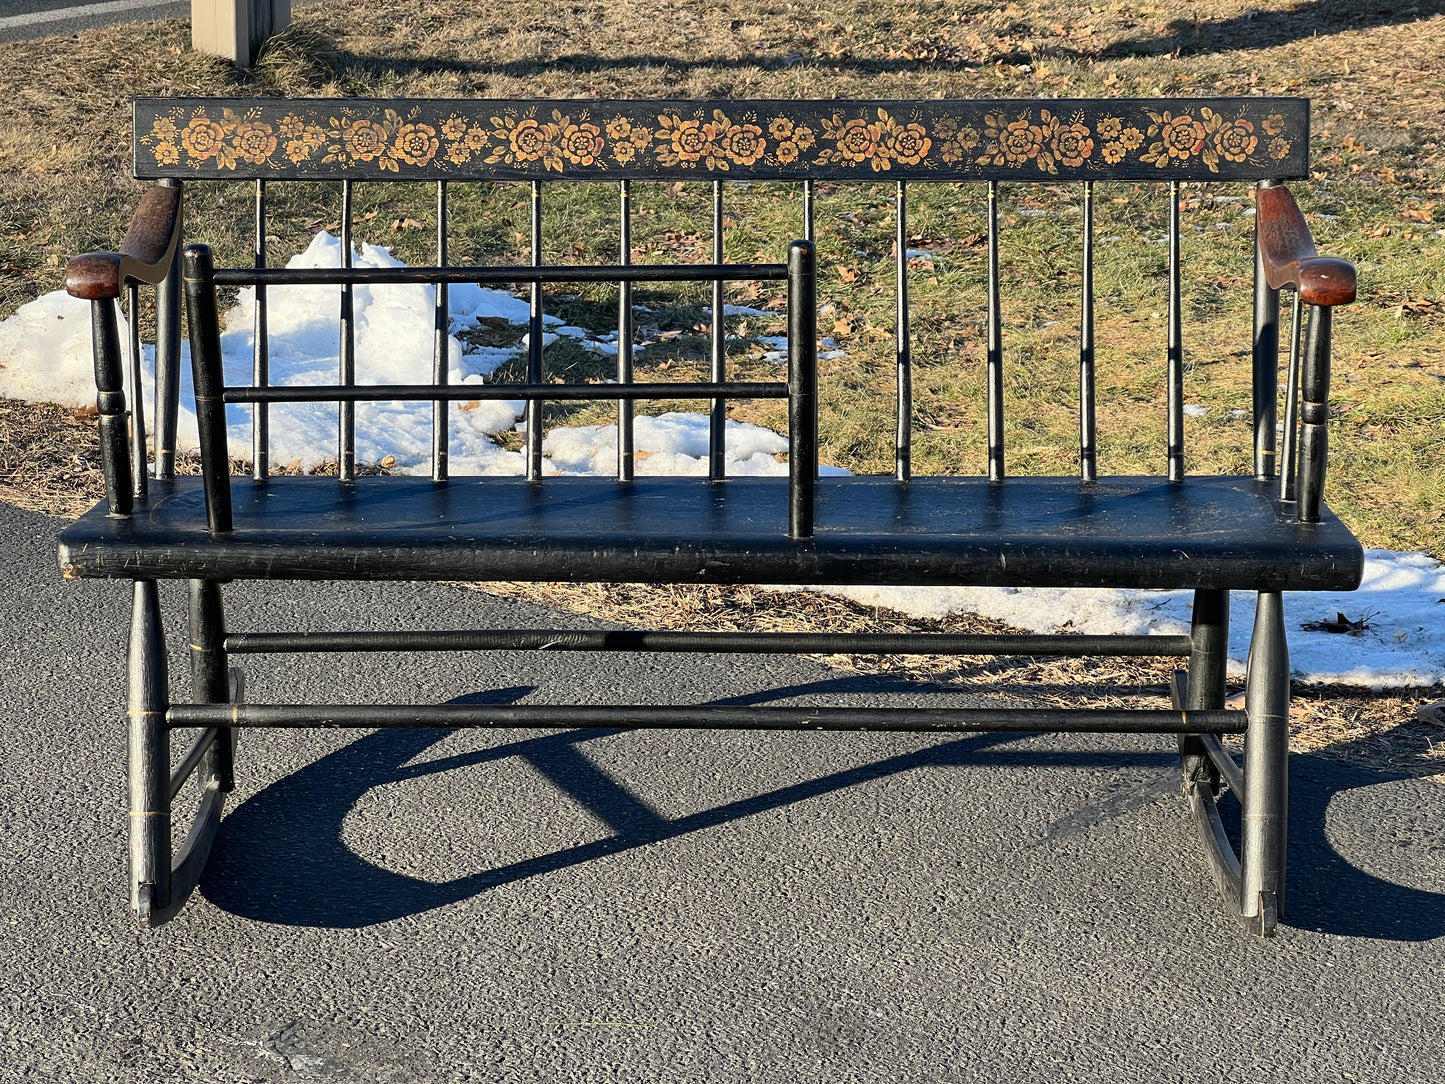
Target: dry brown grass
{"x": 1372, "y": 69}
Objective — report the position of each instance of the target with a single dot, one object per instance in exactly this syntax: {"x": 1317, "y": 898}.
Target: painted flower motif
{"x": 619, "y": 129}
{"x": 1020, "y": 141}
{"x": 787, "y": 152}
{"x": 364, "y": 140}
{"x": 1181, "y": 136}
{"x": 163, "y": 129}
{"x": 477, "y": 138}
{"x": 458, "y": 153}
{"x": 803, "y": 136}
{"x": 1114, "y": 153}
{"x": 292, "y": 126}
{"x": 203, "y": 138}
{"x": 741, "y": 143}
{"x": 415, "y": 144}
{"x": 858, "y": 140}
{"x": 528, "y": 140}
{"x": 580, "y": 143}
{"x": 1132, "y": 139}
{"x": 254, "y": 141}
{"x": 1279, "y": 148}
{"x": 1236, "y": 140}
{"x": 1072, "y": 144}
{"x": 1110, "y": 127}
{"x": 945, "y": 127}
{"x": 454, "y": 128}
{"x": 641, "y": 138}
{"x": 689, "y": 141}
{"x": 907, "y": 145}
{"x": 166, "y": 154}
{"x": 780, "y": 128}
{"x": 623, "y": 152}
{"x": 297, "y": 150}
{"x": 1273, "y": 124}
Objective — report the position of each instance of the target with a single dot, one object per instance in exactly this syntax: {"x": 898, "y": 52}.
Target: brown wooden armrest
{"x": 1290, "y": 257}
{"x": 145, "y": 255}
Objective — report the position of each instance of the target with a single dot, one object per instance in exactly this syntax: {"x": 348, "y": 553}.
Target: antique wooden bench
{"x": 1267, "y": 531}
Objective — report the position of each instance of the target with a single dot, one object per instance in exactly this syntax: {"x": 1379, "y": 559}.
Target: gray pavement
{"x": 22, "y": 20}
{"x": 523, "y": 906}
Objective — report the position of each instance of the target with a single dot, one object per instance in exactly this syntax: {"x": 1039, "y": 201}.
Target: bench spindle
{"x": 168, "y": 358}
{"x": 1265, "y": 358}
{"x": 802, "y": 387}
{"x": 260, "y": 349}
{"x": 717, "y": 408}
{"x": 534, "y": 345}
{"x": 1088, "y": 427}
{"x": 1289, "y": 455}
{"x": 346, "y": 411}
{"x": 903, "y": 342}
{"x": 994, "y": 370}
{"x": 1174, "y": 396}
{"x": 135, "y": 399}
{"x": 209, "y": 379}
{"x": 626, "y": 447}
{"x": 441, "y": 349}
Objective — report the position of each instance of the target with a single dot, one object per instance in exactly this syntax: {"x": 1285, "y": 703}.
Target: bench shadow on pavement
{"x": 281, "y": 857}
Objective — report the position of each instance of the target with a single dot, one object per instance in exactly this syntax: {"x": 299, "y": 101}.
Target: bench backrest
{"x": 347, "y": 141}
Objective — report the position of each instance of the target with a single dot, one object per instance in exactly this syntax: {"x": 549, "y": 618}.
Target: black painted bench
{"x": 1268, "y": 531}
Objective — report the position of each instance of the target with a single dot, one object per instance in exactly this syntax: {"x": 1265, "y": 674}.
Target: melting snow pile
{"x": 1395, "y": 619}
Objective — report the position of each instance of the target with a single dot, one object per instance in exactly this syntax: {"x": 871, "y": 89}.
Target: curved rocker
{"x": 161, "y": 883}
{"x": 1251, "y": 881}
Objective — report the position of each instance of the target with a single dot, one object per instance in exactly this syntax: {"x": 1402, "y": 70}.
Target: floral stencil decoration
{"x": 1250, "y": 137}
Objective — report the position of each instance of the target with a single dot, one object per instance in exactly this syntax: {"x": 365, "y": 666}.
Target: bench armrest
{"x": 145, "y": 255}
{"x": 1290, "y": 257}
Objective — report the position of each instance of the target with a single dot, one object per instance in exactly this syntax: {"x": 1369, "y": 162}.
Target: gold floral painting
{"x": 1126, "y": 139}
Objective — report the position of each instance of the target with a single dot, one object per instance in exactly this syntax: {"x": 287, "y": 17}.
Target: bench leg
{"x": 1208, "y": 659}
{"x": 210, "y": 681}
{"x": 1266, "y": 768}
{"x": 148, "y": 767}
{"x": 161, "y": 882}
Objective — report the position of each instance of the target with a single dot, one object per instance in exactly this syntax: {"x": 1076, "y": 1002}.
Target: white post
{"x": 236, "y": 29}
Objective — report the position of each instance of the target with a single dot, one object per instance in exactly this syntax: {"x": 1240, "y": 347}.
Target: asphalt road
{"x": 521, "y": 906}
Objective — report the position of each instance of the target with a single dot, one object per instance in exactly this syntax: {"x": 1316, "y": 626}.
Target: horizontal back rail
{"x": 437, "y": 139}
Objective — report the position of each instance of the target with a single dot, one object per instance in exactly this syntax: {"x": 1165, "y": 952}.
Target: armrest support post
{"x": 802, "y": 386}
{"x": 1314, "y": 415}
{"x": 209, "y": 378}
{"x": 110, "y": 405}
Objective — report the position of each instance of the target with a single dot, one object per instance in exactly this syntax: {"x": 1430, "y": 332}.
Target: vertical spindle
{"x": 994, "y": 372}
{"x": 168, "y": 360}
{"x": 626, "y": 446}
{"x": 1174, "y": 395}
{"x": 346, "y": 412}
{"x": 441, "y": 349}
{"x": 1266, "y": 362}
{"x": 534, "y": 345}
{"x": 802, "y": 387}
{"x": 1088, "y": 428}
{"x": 260, "y": 350}
{"x": 808, "y": 210}
{"x": 902, "y": 342}
{"x": 717, "y": 413}
{"x": 135, "y": 400}
{"x": 110, "y": 405}
{"x": 1290, "y": 451}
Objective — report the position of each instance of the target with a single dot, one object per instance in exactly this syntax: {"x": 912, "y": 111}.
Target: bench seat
{"x": 1204, "y": 532}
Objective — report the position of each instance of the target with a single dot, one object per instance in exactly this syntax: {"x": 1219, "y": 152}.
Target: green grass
{"x": 1377, "y": 197}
